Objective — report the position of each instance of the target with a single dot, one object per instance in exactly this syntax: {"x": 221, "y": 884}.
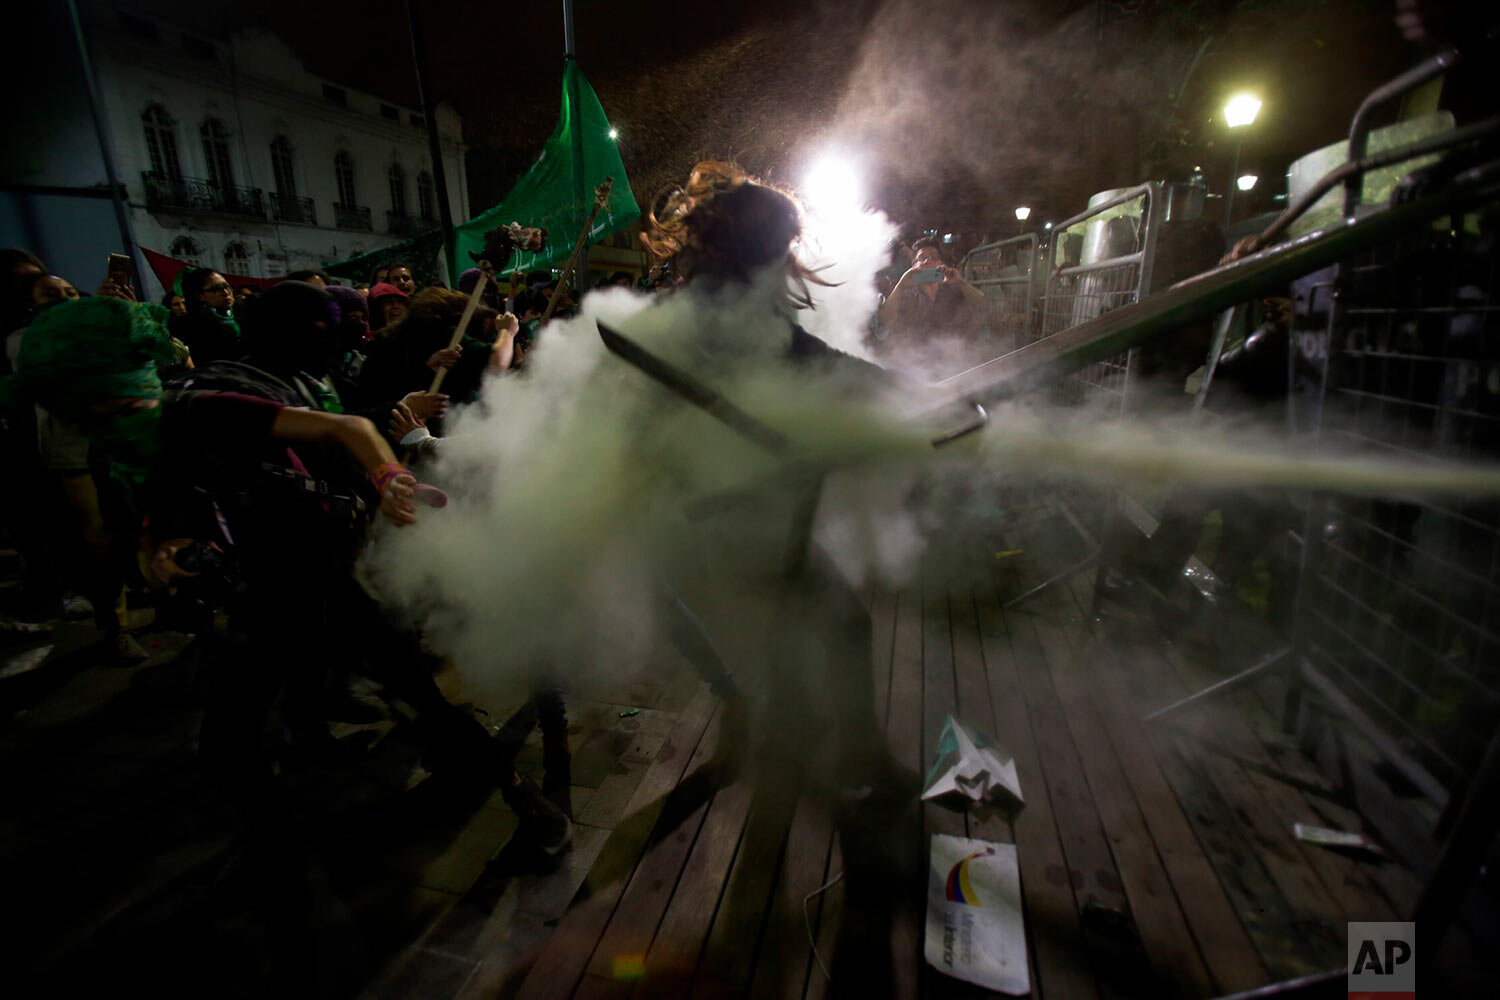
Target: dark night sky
{"x": 959, "y": 109}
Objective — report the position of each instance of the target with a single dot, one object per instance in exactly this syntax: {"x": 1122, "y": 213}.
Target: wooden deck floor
{"x": 1157, "y": 860}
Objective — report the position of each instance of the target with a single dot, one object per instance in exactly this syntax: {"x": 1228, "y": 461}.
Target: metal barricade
{"x": 1008, "y": 273}
{"x": 1398, "y": 609}
{"x": 1100, "y": 260}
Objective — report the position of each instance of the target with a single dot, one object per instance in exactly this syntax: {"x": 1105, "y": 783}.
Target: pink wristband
{"x": 385, "y": 473}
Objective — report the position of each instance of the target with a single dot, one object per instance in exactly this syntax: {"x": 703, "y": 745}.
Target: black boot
{"x": 543, "y": 824}
{"x": 557, "y": 775}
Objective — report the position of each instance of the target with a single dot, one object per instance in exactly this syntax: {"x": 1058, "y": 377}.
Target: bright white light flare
{"x": 1023, "y": 213}
{"x": 1246, "y": 181}
{"x": 833, "y": 187}
{"x": 1241, "y": 110}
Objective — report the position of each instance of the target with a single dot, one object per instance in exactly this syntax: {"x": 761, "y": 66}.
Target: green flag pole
{"x": 575, "y": 128}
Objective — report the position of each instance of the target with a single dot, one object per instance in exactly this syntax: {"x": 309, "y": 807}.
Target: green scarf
{"x": 79, "y": 354}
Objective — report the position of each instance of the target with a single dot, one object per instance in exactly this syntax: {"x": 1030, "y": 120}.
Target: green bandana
{"x": 90, "y": 351}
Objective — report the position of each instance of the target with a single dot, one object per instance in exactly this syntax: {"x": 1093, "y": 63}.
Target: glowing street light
{"x": 1023, "y": 213}
{"x": 1239, "y": 113}
{"x": 1241, "y": 110}
{"x": 614, "y": 133}
{"x": 1246, "y": 182}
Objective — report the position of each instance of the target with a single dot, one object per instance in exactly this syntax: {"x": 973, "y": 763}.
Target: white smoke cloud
{"x": 569, "y": 483}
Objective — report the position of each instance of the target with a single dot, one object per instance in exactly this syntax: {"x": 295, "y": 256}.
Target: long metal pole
{"x": 1234, "y": 178}
{"x": 434, "y": 140}
{"x": 575, "y": 129}
{"x": 106, "y": 146}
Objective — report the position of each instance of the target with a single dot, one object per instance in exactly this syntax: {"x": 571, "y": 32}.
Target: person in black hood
{"x": 292, "y": 329}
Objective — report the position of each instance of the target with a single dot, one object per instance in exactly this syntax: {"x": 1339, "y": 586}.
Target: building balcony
{"x": 352, "y": 217}
{"x": 192, "y": 194}
{"x": 290, "y": 208}
{"x": 400, "y": 224}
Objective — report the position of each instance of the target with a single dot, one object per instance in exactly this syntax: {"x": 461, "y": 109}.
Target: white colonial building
{"x": 235, "y": 157}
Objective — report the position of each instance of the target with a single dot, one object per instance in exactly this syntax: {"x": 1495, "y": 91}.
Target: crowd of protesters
{"x": 220, "y": 456}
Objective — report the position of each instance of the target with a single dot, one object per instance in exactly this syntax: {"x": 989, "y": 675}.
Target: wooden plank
{"x": 781, "y": 969}
{"x": 610, "y": 800}
{"x": 1170, "y": 947}
{"x": 1060, "y": 960}
{"x": 562, "y": 960}
{"x": 903, "y": 728}
{"x": 1345, "y": 879}
{"x": 828, "y": 921}
{"x": 1314, "y": 913}
{"x": 647, "y": 896}
{"x": 731, "y": 952}
{"x": 1117, "y": 956}
{"x": 1227, "y": 949}
{"x": 672, "y": 959}
{"x": 1269, "y": 921}
{"x": 939, "y": 701}
{"x": 1303, "y": 915}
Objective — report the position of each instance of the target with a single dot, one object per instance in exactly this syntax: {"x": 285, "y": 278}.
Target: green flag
{"x": 420, "y": 253}
{"x": 545, "y": 197}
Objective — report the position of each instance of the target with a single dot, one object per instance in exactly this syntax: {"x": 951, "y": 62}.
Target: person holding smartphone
{"x": 931, "y": 299}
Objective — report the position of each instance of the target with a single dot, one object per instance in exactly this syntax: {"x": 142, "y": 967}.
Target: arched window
{"x": 397, "y": 179}
{"x": 161, "y": 143}
{"x": 343, "y": 173}
{"x": 426, "y": 196}
{"x": 281, "y": 167}
{"x": 236, "y": 259}
{"x": 216, "y": 153}
{"x": 187, "y": 250}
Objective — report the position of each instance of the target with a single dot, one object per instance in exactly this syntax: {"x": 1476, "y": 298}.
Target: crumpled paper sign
{"x": 974, "y": 766}
{"x": 975, "y": 931}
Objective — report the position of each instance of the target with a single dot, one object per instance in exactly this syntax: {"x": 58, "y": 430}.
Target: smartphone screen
{"x": 120, "y": 268}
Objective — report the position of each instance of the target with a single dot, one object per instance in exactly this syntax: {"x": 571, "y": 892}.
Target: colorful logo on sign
{"x": 959, "y": 889}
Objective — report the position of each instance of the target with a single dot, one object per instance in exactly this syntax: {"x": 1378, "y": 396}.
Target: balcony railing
{"x": 290, "y": 208}
{"x": 192, "y": 194}
{"x": 352, "y": 217}
{"x": 400, "y": 224}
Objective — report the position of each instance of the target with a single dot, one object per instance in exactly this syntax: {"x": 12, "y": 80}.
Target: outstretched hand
{"x": 425, "y": 406}
{"x": 163, "y": 564}
{"x": 396, "y": 501}
{"x": 402, "y": 422}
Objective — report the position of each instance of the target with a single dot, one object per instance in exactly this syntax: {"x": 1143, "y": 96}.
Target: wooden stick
{"x": 583, "y": 237}
{"x": 463, "y": 326}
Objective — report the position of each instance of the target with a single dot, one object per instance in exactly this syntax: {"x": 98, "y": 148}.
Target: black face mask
{"x": 291, "y": 328}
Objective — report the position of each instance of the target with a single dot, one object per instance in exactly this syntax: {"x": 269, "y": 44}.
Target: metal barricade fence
{"x": 1398, "y": 606}
{"x": 1099, "y": 260}
{"x": 1096, "y": 261}
{"x": 1008, "y": 273}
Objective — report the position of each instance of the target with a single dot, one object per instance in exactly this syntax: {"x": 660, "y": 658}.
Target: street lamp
{"x": 1239, "y": 113}
{"x": 1022, "y": 214}
{"x": 614, "y": 133}
{"x": 1246, "y": 182}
